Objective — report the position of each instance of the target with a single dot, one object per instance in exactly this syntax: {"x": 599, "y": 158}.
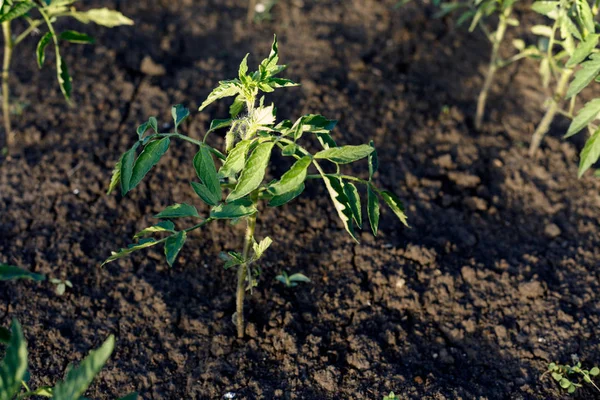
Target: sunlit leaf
{"x": 254, "y": 171}
{"x": 178, "y": 211}
{"x": 173, "y": 245}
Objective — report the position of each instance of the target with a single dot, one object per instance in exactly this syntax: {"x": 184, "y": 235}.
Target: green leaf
{"x": 173, "y": 245}
{"x": 290, "y": 149}
{"x": 126, "y": 164}
{"x": 162, "y": 226}
{"x": 254, "y": 171}
{"x": 298, "y": 277}
{"x": 243, "y": 70}
{"x": 151, "y": 123}
{"x": 395, "y": 204}
{"x": 12, "y": 273}
{"x": 260, "y": 248}
{"x": 115, "y": 255}
{"x": 583, "y": 51}
{"x": 340, "y": 202}
{"x": 586, "y": 15}
{"x": 179, "y": 113}
{"x": 236, "y": 159}
{"x": 277, "y": 83}
{"x": 354, "y": 201}
{"x": 64, "y": 79}
{"x": 235, "y": 209}
{"x": 373, "y": 209}
{"x": 237, "y": 106}
{"x": 41, "y": 48}
{"x": 345, "y": 154}
{"x": 178, "y": 211}
{"x": 205, "y": 194}
{"x": 595, "y": 371}
{"x": 590, "y": 153}
{"x": 148, "y": 159}
{"x": 326, "y": 140}
{"x": 589, "y": 70}
{"x": 207, "y": 172}
{"x": 76, "y": 37}
{"x": 17, "y": 10}
{"x": 219, "y": 123}
{"x": 116, "y": 176}
{"x": 373, "y": 161}
{"x": 587, "y": 114}
{"x": 556, "y": 376}
{"x": 565, "y": 383}
{"x": 14, "y": 365}
{"x": 292, "y": 178}
{"x": 313, "y": 123}
{"x": 225, "y": 89}
{"x": 545, "y": 7}
{"x": 104, "y": 17}
{"x": 284, "y": 198}
{"x": 80, "y": 377}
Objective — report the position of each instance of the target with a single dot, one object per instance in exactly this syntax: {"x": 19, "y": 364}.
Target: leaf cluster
{"x": 14, "y": 370}
{"x": 570, "y": 377}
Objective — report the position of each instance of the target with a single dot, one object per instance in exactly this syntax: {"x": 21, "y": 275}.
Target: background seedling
{"x": 36, "y": 13}
{"x": 260, "y": 10}
{"x": 253, "y": 133}
{"x": 11, "y": 273}
{"x": 61, "y": 285}
{"x": 564, "y": 375}
{"x": 14, "y": 366}
{"x": 292, "y": 280}
{"x": 391, "y": 396}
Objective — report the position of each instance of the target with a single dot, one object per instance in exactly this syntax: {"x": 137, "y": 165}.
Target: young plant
{"x": 391, "y": 396}
{"x": 565, "y": 44}
{"x": 477, "y": 11}
{"x": 564, "y": 375}
{"x": 36, "y": 13}
{"x": 61, "y": 285}
{"x": 252, "y": 136}
{"x": 14, "y": 374}
{"x": 292, "y": 280}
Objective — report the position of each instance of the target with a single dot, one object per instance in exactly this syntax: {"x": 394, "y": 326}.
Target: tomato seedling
{"x": 252, "y": 135}
{"x": 36, "y": 13}
{"x": 14, "y": 374}
{"x": 291, "y": 281}
{"x": 565, "y": 375}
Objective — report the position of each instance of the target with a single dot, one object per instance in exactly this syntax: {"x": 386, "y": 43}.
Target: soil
{"x": 496, "y": 277}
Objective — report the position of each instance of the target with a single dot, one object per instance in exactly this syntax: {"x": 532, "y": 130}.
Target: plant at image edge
{"x": 253, "y": 134}
{"x": 49, "y": 11}
{"x": 14, "y": 374}
{"x": 561, "y": 374}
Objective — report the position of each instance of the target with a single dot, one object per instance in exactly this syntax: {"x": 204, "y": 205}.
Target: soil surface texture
{"x": 497, "y": 276}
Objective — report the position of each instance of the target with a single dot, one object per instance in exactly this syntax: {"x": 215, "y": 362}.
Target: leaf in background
{"x": 173, "y": 245}
{"x": 587, "y": 18}
{"x": 235, "y": 209}
{"x": 80, "y": 377}
{"x": 11, "y": 273}
{"x": 17, "y": 10}
{"x": 340, "y": 202}
{"x": 178, "y": 211}
{"x": 583, "y": 51}
{"x": 64, "y": 79}
{"x": 354, "y": 201}
{"x": 225, "y": 89}
{"x": 373, "y": 209}
{"x": 284, "y": 198}
{"x": 76, "y": 37}
{"x": 162, "y": 226}
{"x": 253, "y": 172}
{"x": 41, "y": 48}
{"x": 235, "y": 159}
{"x": 587, "y": 114}
{"x": 292, "y": 178}
{"x": 115, "y": 255}
{"x": 149, "y": 157}
{"x": 589, "y": 70}
{"x": 545, "y": 7}
{"x": 14, "y": 365}
{"x": 373, "y": 161}
{"x": 395, "y": 204}
{"x": 590, "y": 153}
{"x": 345, "y": 154}
{"x": 207, "y": 172}
{"x": 104, "y": 17}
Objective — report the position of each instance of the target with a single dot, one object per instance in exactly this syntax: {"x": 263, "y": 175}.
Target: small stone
{"x": 149, "y": 67}
{"x": 552, "y": 231}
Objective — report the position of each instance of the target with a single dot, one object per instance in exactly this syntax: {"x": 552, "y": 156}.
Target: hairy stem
{"x": 544, "y": 125}
{"x": 243, "y": 274}
{"x": 8, "y": 48}
{"x": 494, "y": 61}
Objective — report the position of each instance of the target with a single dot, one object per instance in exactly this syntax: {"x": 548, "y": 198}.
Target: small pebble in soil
{"x": 400, "y": 283}
{"x": 229, "y": 395}
{"x": 76, "y": 192}
{"x": 552, "y": 231}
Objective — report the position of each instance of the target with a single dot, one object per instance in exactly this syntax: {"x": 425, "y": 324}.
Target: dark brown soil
{"x": 496, "y": 278}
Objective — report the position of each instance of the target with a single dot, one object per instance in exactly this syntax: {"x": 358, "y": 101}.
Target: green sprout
{"x": 37, "y": 13}
{"x": 292, "y": 280}
{"x": 14, "y": 370}
{"x": 253, "y": 133}
{"x": 564, "y": 375}
{"x": 61, "y": 285}
{"x": 391, "y": 396}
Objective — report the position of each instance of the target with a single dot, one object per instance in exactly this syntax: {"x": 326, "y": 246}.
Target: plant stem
{"x": 544, "y": 125}
{"x": 8, "y": 48}
{"x": 243, "y": 274}
{"x": 489, "y": 78}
